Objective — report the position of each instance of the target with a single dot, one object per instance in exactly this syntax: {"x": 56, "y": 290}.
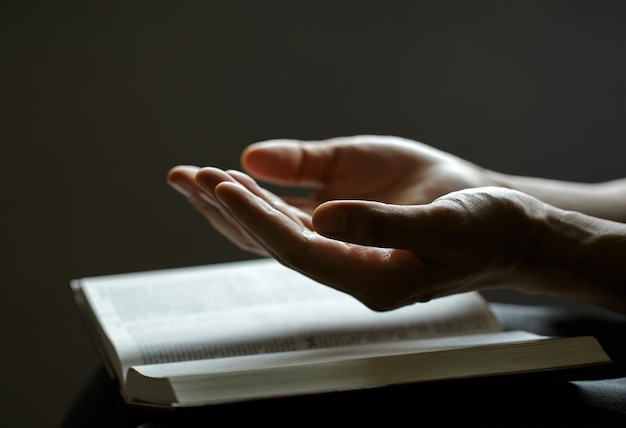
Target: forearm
{"x": 604, "y": 200}
{"x": 579, "y": 257}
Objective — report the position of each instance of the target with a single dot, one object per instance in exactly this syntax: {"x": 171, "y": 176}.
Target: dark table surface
{"x": 597, "y": 399}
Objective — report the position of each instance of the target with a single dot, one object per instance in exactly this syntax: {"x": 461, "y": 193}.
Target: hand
{"x": 380, "y": 168}
{"x": 385, "y": 169}
{"x": 389, "y": 256}
{"x": 385, "y": 255}
{"x": 390, "y": 223}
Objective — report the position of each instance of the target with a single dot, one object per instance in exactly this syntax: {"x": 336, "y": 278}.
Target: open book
{"x": 256, "y": 329}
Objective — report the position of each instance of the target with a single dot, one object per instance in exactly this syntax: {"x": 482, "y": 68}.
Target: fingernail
{"x": 330, "y": 221}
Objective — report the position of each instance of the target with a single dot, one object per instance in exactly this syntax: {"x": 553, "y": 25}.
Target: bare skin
{"x": 394, "y": 221}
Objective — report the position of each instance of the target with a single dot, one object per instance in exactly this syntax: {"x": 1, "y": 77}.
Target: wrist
{"x": 578, "y": 257}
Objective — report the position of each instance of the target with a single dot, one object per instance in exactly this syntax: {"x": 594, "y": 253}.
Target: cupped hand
{"x": 385, "y": 255}
{"x": 375, "y": 168}
{"x": 385, "y": 224}
{"x": 368, "y": 167}
{"x": 388, "y": 255}
{"x": 393, "y": 221}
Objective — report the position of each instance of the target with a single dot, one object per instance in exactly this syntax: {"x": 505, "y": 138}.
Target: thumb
{"x": 377, "y": 224}
{"x": 289, "y": 162}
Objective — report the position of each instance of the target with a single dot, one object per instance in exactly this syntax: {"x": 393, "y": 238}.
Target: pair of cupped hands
{"x": 389, "y": 221}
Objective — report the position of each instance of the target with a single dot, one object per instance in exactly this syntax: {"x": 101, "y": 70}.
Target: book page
{"x": 256, "y": 307}
{"x": 244, "y": 363}
{"x": 354, "y": 367}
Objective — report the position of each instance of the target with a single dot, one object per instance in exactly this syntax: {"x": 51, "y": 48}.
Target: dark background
{"x": 100, "y": 100}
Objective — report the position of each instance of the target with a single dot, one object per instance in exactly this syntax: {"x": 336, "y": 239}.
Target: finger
{"x": 339, "y": 166}
{"x": 275, "y": 201}
{"x": 183, "y": 179}
{"x": 224, "y": 224}
{"x": 207, "y": 178}
{"x": 359, "y": 271}
{"x": 291, "y": 162}
{"x": 417, "y": 227}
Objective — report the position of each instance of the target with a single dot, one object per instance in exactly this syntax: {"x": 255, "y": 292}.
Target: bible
{"x": 251, "y": 330}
